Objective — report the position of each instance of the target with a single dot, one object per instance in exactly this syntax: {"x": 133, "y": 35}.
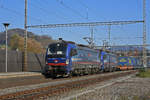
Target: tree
{"x": 14, "y": 42}
{"x": 17, "y": 42}
{"x": 34, "y": 46}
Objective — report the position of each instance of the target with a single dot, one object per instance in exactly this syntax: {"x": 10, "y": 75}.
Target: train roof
{"x": 86, "y": 48}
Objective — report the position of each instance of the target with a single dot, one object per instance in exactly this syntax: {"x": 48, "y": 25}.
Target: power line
{"x": 46, "y": 2}
{"x": 0, "y": 3}
{"x": 69, "y": 8}
{"x": 47, "y": 11}
{"x": 18, "y": 13}
{"x": 87, "y": 9}
{"x": 91, "y": 9}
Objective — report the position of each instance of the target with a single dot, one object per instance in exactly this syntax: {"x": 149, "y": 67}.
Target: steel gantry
{"x": 85, "y": 24}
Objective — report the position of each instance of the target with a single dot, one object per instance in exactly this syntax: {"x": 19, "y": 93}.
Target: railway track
{"x": 61, "y": 88}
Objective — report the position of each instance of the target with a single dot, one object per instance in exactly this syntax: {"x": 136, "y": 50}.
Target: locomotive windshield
{"x": 57, "y": 50}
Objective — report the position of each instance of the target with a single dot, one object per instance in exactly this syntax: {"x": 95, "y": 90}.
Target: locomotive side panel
{"x": 86, "y": 61}
{"x": 148, "y": 61}
{"x": 109, "y": 61}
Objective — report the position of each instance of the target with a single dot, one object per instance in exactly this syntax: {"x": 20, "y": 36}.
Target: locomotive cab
{"x": 58, "y": 59}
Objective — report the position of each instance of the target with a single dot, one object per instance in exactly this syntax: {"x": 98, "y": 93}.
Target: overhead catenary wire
{"x": 70, "y": 8}
{"x": 0, "y": 3}
{"x": 46, "y": 11}
{"x": 45, "y": 3}
{"x": 19, "y": 13}
{"x": 122, "y": 38}
{"x": 88, "y": 9}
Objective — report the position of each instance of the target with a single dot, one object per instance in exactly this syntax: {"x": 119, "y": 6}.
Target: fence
{"x": 15, "y": 61}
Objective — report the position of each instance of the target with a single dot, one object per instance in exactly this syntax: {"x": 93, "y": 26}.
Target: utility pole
{"x": 144, "y": 35}
{"x": 6, "y": 28}
{"x": 103, "y": 44}
{"x": 25, "y": 40}
{"x": 92, "y": 37}
{"x": 109, "y": 28}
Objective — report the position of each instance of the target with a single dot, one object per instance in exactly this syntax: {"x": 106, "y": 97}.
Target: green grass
{"x": 136, "y": 97}
{"x": 144, "y": 73}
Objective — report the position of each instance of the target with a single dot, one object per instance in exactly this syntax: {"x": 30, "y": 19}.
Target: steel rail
{"x": 50, "y": 91}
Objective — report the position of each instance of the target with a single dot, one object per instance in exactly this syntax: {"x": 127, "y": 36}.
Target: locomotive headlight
{"x": 67, "y": 61}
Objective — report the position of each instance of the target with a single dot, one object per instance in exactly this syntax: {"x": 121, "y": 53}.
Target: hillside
{"x": 44, "y": 40}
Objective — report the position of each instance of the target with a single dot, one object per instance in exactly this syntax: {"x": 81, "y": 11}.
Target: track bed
{"x": 58, "y": 86}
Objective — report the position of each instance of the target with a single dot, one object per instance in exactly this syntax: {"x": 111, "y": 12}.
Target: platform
{"x": 18, "y": 74}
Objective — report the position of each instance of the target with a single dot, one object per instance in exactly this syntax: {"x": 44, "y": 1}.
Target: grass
{"x": 144, "y": 73}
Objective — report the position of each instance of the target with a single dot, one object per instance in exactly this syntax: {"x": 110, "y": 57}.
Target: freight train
{"x": 128, "y": 63}
{"x": 65, "y": 58}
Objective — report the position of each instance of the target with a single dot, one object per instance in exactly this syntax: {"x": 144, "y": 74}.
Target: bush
{"x": 142, "y": 70}
{"x": 143, "y": 73}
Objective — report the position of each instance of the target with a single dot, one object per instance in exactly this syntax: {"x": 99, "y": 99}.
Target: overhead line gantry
{"x": 85, "y": 24}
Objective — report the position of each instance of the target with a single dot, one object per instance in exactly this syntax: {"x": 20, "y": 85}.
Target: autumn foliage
{"x": 17, "y": 43}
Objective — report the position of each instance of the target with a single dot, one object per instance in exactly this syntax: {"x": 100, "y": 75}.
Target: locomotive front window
{"x": 57, "y": 50}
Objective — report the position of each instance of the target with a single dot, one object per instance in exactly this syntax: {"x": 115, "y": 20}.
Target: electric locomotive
{"x": 67, "y": 58}
{"x": 109, "y": 61}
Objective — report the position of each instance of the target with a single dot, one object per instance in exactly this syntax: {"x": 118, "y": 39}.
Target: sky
{"x": 42, "y": 12}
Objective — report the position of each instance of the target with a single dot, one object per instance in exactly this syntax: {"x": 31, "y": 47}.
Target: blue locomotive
{"x": 67, "y": 58}
{"x": 109, "y": 61}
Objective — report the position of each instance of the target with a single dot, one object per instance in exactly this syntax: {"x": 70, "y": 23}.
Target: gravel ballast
{"x": 133, "y": 88}
{"x": 51, "y": 83}
{"x": 129, "y": 88}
